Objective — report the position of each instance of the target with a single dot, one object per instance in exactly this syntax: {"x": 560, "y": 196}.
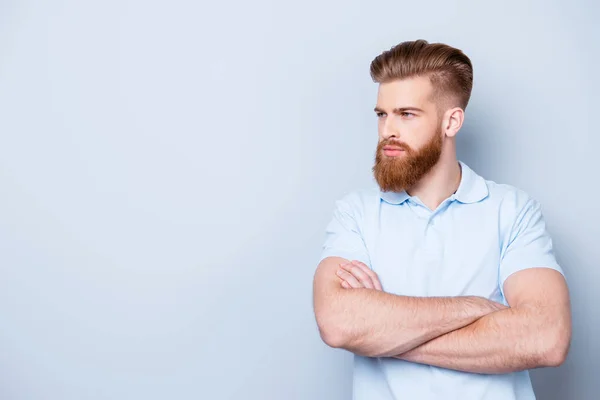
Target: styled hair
{"x": 448, "y": 68}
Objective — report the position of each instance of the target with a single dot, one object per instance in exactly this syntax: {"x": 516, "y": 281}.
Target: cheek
{"x": 412, "y": 131}
{"x": 422, "y": 131}
{"x": 416, "y": 136}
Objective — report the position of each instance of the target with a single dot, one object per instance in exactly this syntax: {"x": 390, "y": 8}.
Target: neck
{"x": 439, "y": 183}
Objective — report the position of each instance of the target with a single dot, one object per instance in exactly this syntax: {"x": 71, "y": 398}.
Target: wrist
{"x": 481, "y": 306}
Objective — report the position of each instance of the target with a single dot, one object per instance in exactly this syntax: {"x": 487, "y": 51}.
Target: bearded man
{"x": 442, "y": 283}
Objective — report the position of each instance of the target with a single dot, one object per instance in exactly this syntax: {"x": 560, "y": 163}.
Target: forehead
{"x": 410, "y": 92}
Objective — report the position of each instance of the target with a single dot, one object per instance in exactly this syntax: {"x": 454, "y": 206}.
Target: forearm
{"x": 379, "y": 324}
{"x": 502, "y": 342}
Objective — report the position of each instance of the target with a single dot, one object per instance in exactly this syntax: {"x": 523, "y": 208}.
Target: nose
{"x": 389, "y": 129}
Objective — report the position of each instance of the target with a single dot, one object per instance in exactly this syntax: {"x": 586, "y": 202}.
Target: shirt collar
{"x": 394, "y": 197}
{"x": 472, "y": 188}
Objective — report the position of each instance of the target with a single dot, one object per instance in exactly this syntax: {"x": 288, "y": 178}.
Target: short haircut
{"x": 448, "y": 68}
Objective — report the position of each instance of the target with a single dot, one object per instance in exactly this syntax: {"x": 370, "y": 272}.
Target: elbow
{"x": 556, "y": 356}
{"x": 338, "y": 337}
{"x": 333, "y": 338}
{"x": 332, "y": 334}
{"x": 334, "y": 331}
{"x": 556, "y": 351}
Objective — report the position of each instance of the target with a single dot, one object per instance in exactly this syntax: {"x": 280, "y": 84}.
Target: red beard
{"x": 400, "y": 173}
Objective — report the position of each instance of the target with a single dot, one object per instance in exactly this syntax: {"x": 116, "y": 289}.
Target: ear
{"x": 452, "y": 121}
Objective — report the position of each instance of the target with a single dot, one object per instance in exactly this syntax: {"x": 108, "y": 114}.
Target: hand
{"x": 356, "y": 275}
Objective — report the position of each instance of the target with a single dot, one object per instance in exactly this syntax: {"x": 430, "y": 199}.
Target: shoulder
{"x": 509, "y": 198}
{"x": 512, "y": 204}
{"x": 357, "y": 202}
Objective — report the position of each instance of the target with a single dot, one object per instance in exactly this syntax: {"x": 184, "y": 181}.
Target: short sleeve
{"x": 343, "y": 236}
{"x": 529, "y": 246}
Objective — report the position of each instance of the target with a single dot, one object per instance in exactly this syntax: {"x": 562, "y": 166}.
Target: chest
{"x": 455, "y": 253}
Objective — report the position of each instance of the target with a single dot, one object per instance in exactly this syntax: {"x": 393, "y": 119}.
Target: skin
{"x": 373, "y": 323}
{"x": 534, "y": 332}
{"x": 468, "y": 333}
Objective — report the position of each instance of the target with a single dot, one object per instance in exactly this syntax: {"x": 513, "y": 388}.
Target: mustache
{"x": 401, "y": 145}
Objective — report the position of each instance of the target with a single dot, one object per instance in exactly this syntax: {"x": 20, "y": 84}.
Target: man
{"x": 443, "y": 284}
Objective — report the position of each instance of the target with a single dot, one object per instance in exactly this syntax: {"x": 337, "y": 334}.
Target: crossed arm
{"x": 470, "y": 333}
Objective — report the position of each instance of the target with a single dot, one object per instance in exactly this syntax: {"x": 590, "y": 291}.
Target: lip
{"x": 393, "y": 148}
{"x": 391, "y": 152}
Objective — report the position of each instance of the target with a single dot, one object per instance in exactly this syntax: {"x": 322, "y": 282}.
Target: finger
{"x": 349, "y": 278}
{"x": 370, "y": 272}
{"x": 372, "y": 275}
{"x": 345, "y": 284}
{"x": 359, "y": 274}
{"x": 366, "y": 268}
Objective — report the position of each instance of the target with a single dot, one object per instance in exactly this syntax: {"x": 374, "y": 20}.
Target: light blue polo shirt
{"x": 469, "y": 245}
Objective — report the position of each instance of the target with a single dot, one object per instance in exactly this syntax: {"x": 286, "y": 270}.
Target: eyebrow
{"x": 399, "y": 110}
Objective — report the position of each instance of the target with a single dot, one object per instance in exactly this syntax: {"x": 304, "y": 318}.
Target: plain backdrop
{"x": 167, "y": 170}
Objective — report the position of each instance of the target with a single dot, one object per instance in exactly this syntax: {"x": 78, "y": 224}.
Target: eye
{"x": 407, "y": 114}
{"x": 380, "y": 114}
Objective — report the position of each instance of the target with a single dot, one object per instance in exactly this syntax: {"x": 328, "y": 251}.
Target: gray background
{"x": 167, "y": 170}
